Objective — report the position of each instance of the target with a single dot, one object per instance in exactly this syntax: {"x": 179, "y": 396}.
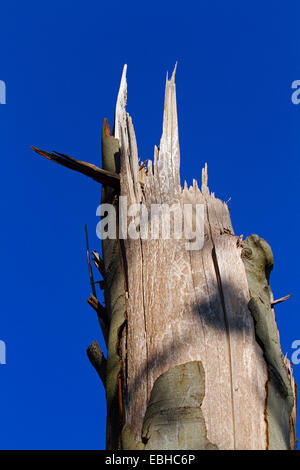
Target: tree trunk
{"x": 193, "y": 352}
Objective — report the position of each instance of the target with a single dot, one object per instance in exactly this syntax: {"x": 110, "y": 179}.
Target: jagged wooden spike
{"x": 101, "y": 176}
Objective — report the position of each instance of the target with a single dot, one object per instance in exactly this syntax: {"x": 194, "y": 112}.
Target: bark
{"x": 193, "y": 353}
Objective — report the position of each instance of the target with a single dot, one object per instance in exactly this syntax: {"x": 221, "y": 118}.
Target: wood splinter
{"x": 92, "y": 282}
{"x": 97, "y": 306}
{"x": 99, "y": 263}
{"x": 282, "y": 299}
{"x": 144, "y": 164}
{"x": 97, "y": 360}
{"x": 101, "y": 314}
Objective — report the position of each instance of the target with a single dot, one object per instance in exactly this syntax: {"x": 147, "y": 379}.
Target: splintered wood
{"x": 188, "y": 305}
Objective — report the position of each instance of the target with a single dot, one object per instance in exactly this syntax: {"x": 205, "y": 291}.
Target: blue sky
{"x": 62, "y": 62}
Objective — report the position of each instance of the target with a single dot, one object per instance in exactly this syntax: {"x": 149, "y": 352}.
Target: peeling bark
{"x": 281, "y": 394}
{"x": 174, "y": 418}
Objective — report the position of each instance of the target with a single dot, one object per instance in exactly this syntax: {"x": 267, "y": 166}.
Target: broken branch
{"x": 104, "y": 177}
{"x": 99, "y": 263}
{"x": 101, "y": 311}
{"x": 97, "y": 360}
{"x": 102, "y": 315}
{"x": 282, "y": 299}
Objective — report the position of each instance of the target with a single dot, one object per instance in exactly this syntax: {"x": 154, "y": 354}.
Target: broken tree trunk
{"x": 193, "y": 353}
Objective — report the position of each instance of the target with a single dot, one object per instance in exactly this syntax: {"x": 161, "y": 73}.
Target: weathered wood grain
{"x": 185, "y": 306}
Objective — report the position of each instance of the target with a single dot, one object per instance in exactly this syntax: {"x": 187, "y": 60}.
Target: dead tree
{"x": 193, "y": 353}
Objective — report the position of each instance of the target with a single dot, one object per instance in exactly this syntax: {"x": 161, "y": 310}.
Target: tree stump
{"x": 193, "y": 352}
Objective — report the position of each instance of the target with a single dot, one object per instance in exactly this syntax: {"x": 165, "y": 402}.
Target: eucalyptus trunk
{"x": 193, "y": 353}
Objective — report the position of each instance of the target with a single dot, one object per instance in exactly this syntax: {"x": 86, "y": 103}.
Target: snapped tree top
{"x": 194, "y": 359}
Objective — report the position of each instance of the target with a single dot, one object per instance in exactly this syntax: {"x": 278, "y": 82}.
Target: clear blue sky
{"x": 62, "y": 62}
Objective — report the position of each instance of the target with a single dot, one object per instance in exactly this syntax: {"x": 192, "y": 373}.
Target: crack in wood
{"x": 219, "y": 282}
